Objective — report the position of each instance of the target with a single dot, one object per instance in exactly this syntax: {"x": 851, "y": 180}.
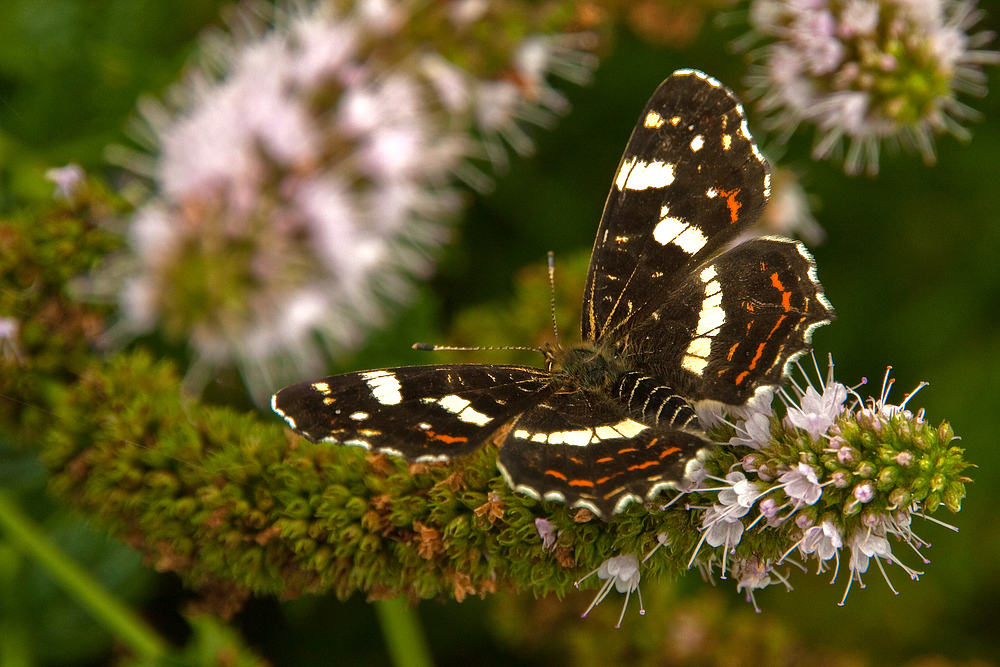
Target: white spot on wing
{"x": 576, "y": 438}
{"x": 606, "y": 433}
{"x": 473, "y": 416}
{"x": 676, "y": 231}
{"x": 624, "y": 501}
{"x": 668, "y": 229}
{"x": 711, "y": 316}
{"x": 462, "y": 408}
{"x": 384, "y": 387}
{"x": 519, "y": 488}
{"x": 694, "y": 364}
{"x": 636, "y": 174}
{"x": 653, "y": 120}
{"x": 700, "y": 347}
{"x": 623, "y": 171}
{"x": 360, "y": 443}
{"x": 697, "y": 143}
{"x": 359, "y": 416}
{"x": 321, "y": 387}
{"x": 453, "y": 403}
{"x": 629, "y": 428}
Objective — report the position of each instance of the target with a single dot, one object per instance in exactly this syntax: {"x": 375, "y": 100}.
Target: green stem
{"x": 403, "y": 636}
{"x": 107, "y": 609}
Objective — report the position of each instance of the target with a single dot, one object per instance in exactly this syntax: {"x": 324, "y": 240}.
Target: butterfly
{"x": 673, "y": 317}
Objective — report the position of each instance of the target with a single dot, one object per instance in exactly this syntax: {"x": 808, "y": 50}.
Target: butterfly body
{"x": 672, "y": 318}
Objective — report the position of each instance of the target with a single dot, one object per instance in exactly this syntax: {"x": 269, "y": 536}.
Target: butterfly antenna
{"x": 428, "y": 347}
{"x": 552, "y": 294}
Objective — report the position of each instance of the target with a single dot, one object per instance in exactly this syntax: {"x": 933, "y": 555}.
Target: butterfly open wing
{"x": 579, "y": 448}
{"x": 670, "y": 317}
{"x": 422, "y": 413}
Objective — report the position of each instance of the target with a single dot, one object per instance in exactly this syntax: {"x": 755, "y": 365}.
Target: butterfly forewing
{"x": 690, "y": 180}
{"x": 423, "y": 413}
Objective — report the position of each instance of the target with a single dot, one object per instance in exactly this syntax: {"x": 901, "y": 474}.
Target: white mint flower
{"x": 873, "y": 485}
{"x": 694, "y": 475}
{"x": 824, "y": 541}
{"x": 864, "y": 492}
{"x": 753, "y": 432}
{"x": 10, "y": 333}
{"x": 710, "y": 413}
{"x": 722, "y": 527}
{"x": 881, "y": 411}
{"x": 759, "y": 403}
{"x": 547, "y": 531}
{"x": 737, "y": 496}
{"x": 744, "y": 492}
{"x": 752, "y": 574}
{"x": 622, "y": 573}
{"x": 801, "y": 484}
{"x": 868, "y": 543}
{"x": 68, "y": 179}
{"x": 816, "y": 412}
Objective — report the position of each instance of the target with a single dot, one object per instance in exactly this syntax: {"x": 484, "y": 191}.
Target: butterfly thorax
{"x": 597, "y": 370}
{"x": 586, "y": 364}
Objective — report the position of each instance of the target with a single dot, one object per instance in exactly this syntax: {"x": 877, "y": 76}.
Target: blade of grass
{"x": 108, "y": 610}
{"x": 403, "y": 635}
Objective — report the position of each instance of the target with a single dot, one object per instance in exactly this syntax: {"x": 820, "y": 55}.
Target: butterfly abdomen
{"x": 653, "y": 402}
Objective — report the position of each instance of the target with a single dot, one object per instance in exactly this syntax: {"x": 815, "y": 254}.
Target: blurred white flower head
{"x": 305, "y": 179}
{"x": 868, "y": 72}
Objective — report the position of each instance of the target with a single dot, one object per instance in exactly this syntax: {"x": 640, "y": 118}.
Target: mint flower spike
{"x": 622, "y": 572}
{"x": 849, "y": 473}
{"x": 868, "y": 72}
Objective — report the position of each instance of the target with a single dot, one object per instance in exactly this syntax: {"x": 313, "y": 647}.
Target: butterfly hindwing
{"x": 734, "y": 324}
{"x": 422, "y": 413}
{"x": 577, "y": 447}
{"x": 690, "y": 180}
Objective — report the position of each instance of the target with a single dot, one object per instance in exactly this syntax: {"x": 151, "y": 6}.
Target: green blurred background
{"x": 911, "y": 263}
